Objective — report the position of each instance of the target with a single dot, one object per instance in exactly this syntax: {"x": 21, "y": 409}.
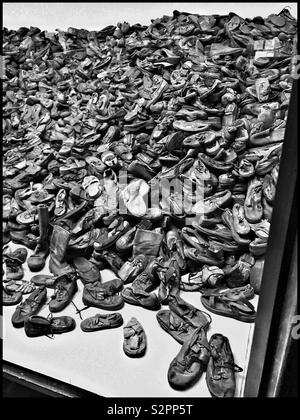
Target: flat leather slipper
{"x": 101, "y": 322}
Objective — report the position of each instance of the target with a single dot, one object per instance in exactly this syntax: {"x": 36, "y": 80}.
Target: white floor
{"x": 96, "y": 361}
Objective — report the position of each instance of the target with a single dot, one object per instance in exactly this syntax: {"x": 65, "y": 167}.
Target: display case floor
{"x": 96, "y": 362}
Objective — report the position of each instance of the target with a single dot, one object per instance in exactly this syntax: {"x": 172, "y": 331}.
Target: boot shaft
{"x": 43, "y": 214}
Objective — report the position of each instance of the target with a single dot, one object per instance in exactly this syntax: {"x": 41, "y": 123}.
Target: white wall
{"x": 95, "y": 16}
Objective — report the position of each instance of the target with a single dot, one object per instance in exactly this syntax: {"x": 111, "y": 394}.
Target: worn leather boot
{"x": 58, "y": 246}
{"x": 36, "y": 261}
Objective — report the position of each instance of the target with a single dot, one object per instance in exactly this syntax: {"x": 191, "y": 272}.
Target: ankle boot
{"x": 37, "y": 260}
{"x": 58, "y": 246}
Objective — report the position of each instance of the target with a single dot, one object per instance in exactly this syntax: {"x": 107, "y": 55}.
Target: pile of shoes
{"x": 154, "y": 152}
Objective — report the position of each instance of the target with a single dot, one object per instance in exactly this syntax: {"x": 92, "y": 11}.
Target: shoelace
{"x": 50, "y": 334}
{"x": 235, "y": 367}
{"x": 189, "y": 359}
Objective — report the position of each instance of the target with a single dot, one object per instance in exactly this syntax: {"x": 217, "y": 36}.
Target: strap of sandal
{"x": 212, "y": 302}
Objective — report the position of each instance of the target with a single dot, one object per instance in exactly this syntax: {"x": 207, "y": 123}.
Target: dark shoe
{"x": 141, "y": 298}
{"x": 239, "y": 274}
{"x": 236, "y": 293}
{"x": 37, "y": 326}
{"x": 240, "y": 224}
{"x": 37, "y": 260}
{"x": 175, "y": 247}
{"x": 241, "y": 309}
{"x": 135, "y": 342}
{"x": 208, "y": 276}
{"x": 191, "y": 126}
{"x": 256, "y": 274}
{"x": 65, "y": 289}
{"x": 175, "y": 171}
{"x": 147, "y": 280}
{"x": 25, "y": 238}
{"x": 14, "y": 269}
{"x": 193, "y": 238}
{"x": 190, "y": 362}
{"x": 84, "y": 242}
{"x": 228, "y": 219}
{"x": 189, "y": 313}
{"x": 213, "y": 203}
{"x": 269, "y": 188}
{"x": 147, "y": 242}
{"x": 204, "y": 256}
{"x": 103, "y": 295}
{"x": 258, "y": 247}
{"x": 58, "y": 248}
{"x": 253, "y": 204}
{"x": 220, "y": 372}
{"x": 218, "y": 231}
{"x": 141, "y": 170}
{"x": 87, "y": 221}
{"x": 31, "y": 306}
{"x": 199, "y": 139}
{"x": 125, "y": 242}
{"x": 131, "y": 269}
{"x": 169, "y": 274}
{"x": 44, "y": 280}
{"x": 87, "y": 271}
{"x": 174, "y": 325}
{"x": 107, "y": 259}
{"x": 215, "y": 164}
{"x": 101, "y": 322}
{"x": 112, "y": 233}
{"x": 19, "y": 255}
{"x": 11, "y": 298}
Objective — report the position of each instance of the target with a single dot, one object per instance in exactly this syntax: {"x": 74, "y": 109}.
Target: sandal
{"x": 236, "y": 293}
{"x": 134, "y": 339}
{"x": 101, "y": 322}
{"x": 240, "y": 309}
{"x": 22, "y": 286}
{"x": 180, "y": 329}
{"x": 113, "y": 232}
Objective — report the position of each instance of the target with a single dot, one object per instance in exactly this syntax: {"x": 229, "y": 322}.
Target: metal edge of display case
{"x": 281, "y": 381}
{"x": 277, "y": 262}
{"x": 43, "y": 384}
